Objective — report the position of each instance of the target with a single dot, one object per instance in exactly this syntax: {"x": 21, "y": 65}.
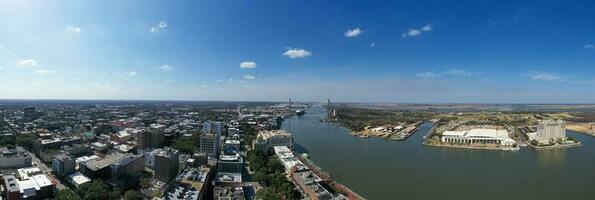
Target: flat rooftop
{"x": 97, "y": 164}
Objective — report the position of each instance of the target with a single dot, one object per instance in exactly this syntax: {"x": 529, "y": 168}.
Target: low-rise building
{"x": 30, "y": 183}
{"x": 478, "y": 136}
{"x": 14, "y": 158}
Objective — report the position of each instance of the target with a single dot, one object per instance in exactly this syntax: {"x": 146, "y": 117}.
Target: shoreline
{"x": 474, "y": 148}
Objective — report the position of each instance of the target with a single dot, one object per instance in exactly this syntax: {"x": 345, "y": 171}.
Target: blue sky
{"x": 351, "y": 51}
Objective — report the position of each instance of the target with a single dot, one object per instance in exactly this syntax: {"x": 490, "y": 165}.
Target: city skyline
{"x": 422, "y": 52}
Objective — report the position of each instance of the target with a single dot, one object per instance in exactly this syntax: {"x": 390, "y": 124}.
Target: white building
{"x": 550, "y": 130}
{"x": 474, "y": 136}
{"x": 269, "y": 139}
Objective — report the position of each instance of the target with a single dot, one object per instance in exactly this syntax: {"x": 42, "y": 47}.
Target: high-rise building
{"x": 63, "y": 165}
{"x": 211, "y": 138}
{"x": 550, "y": 130}
{"x": 209, "y": 145}
{"x": 167, "y": 164}
{"x": 153, "y": 137}
{"x": 143, "y": 139}
{"x": 157, "y": 135}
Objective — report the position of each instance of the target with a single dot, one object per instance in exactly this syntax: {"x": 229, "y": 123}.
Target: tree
{"x": 131, "y": 195}
{"x": 268, "y": 194}
{"x": 97, "y": 190}
{"x": 66, "y": 194}
{"x": 534, "y": 142}
{"x": 186, "y": 144}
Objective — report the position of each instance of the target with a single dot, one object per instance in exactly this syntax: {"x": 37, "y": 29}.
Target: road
{"x": 47, "y": 171}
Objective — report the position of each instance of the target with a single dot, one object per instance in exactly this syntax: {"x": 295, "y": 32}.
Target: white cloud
{"x": 427, "y": 75}
{"x": 131, "y": 74}
{"x": 372, "y": 44}
{"x": 74, "y": 29}
{"x": 44, "y": 71}
{"x": 247, "y": 65}
{"x": 219, "y": 81}
{"x": 461, "y": 72}
{"x": 166, "y": 67}
{"x": 27, "y": 63}
{"x": 249, "y": 77}
{"x": 160, "y": 26}
{"x": 427, "y": 28}
{"x": 544, "y": 76}
{"x": 297, "y": 53}
{"x": 417, "y": 32}
{"x": 353, "y": 32}
{"x": 1, "y": 66}
{"x": 589, "y": 46}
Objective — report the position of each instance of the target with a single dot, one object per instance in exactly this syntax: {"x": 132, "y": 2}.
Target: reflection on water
{"x": 552, "y": 158}
{"x": 384, "y": 169}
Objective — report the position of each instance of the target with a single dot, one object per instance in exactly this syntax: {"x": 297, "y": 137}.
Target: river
{"x": 383, "y": 169}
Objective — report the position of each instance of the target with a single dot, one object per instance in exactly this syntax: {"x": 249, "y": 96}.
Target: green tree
{"x": 186, "y": 144}
{"x": 131, "y": 195}
{"x": 66, "y": 194}
{"x": 97, "y": 190}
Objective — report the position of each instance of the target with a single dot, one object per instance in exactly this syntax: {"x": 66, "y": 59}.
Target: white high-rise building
{"x": 550, "y": 129}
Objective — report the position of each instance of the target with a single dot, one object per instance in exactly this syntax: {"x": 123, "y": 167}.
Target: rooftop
{"x": 97, "y": 164}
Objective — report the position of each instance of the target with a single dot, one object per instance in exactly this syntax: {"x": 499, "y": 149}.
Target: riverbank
{"x": 400, "y": 132}
{"x": 584, "y": 128}
{"x": 556, "y": 146}
{"x": 486, "y": 147}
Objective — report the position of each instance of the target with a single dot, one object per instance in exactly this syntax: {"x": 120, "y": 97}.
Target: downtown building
{"x": 167, "y": 164}
{"x": 210, "y": 139}
{"x": 27, "y": 183}
{"x": 14, "y": 158}
{"x": 63, "y": 165}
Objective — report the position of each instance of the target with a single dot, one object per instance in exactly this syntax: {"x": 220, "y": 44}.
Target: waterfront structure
{"x": 167, "y": 164}
{"x": 29, "y": 183}
{"x": 548, "y": 130}
{"x": 478, "y": 136}
{"x": 288, "y": 159}
{"x": 63, "y": 165}
{"x": 230, "y": 164}
{"x": 14, "y": 158}
{"x": 269, "y": 139}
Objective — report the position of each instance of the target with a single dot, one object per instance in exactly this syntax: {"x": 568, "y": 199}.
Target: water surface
{"x": 383, "y": 169}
